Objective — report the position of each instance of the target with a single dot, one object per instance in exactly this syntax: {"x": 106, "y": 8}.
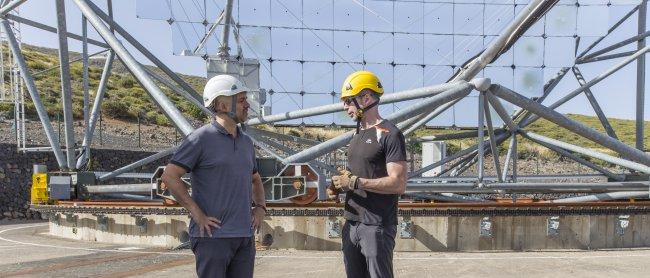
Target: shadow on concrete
{"x": 281, "y": 239}
{"x": 428, "y": 240}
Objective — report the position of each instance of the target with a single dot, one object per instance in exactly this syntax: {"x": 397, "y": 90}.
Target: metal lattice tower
{"x": 12, "y": 90}
{"x": 473, "y": 81}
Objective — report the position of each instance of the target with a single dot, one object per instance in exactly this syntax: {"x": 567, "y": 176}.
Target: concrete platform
{"x": 415, "y": 233}
{"x": 28, "y": 251}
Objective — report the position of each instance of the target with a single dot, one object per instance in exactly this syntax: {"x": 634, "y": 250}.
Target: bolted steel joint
{"x": 481, "y": 84}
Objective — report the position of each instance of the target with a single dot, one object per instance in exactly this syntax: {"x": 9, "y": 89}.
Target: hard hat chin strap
{"x": 233, "y": 109}
{"x": 233, "y": 113}
{"x": 360, "y": 111}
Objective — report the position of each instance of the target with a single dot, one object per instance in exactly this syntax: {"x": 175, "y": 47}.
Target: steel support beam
{"x": 66, "y": 87}
{"x": 208, "y": 34}
{"x": 170, "y": 110}
{"x": 498, "y": 44}
{"x": 501, "y": 111}
{"x": 99, "y": 97}
{"x": 119, "y": 188}
{"x": 515, "y": 157}
{"x": 465, "y": 166}
{"x": 70, "y": 62}
{"x": 571, "y": 125}
{"x": 266, "y": 148}
{"x": 457, "y": 163}
{"x": 86, "y": 96}
{"x": 413, "y": 124}
{"x": 561, "y": 178}
{"x": 290, "y": 151}
{"x": 591, "y": 83}
{"x": 460, "y": 90}
{"x": 6, "y": 9}
{"x": 136, "y": 164}
{"x": 511, "y": 156}
{"x": 605, "y": 157}
{"x": 448, "y": 197}
{"x": 492, "y": 188}
{"x": 337, "y": 107}
{"x": 33, "y": 93}
{"x": 284, "y": 137}
{"x": 493, "y": 146}
{"x": 225, "y": 34}
{"x": 640, "y": 78}
{"x": 424, "y": 119}
{"x": 606, "y": 57}
{"x": 544, "y": 141}
{"x": 96, "y": 110}
{"x": 466, "y": 162}
{"x": 137, "y": 45}
{"x": 450, "y": 136}
{"x": 52, "y": 29}
{"x": 180, "y": 91}
{"x": 640, "y": 37}
{"x": 568, "y": 187}
{"x": 481, "y": 136}
{"x": 594, "y": 103}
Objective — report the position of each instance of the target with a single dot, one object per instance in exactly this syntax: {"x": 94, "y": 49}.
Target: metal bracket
{"x": 71, "y": 218}
{"x": 553, "y": 226}
{"x": 102, "y": 222}
{"x": 141, "y": 222}
{"x": 486, "y": 227}
{"x": 333, "y": 228}
{"x": 622, "y": 223}
{"x": 406, "y": 228}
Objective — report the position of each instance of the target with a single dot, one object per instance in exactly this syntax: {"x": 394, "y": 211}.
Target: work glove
{"x": 345, "y": 181}
{"x": 332, "y": 192}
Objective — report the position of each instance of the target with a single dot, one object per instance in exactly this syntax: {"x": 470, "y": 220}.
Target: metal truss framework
{"x": 434, "y": 100}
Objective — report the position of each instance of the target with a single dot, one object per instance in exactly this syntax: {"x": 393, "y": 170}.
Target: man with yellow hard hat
{"x": 373, "y": 182}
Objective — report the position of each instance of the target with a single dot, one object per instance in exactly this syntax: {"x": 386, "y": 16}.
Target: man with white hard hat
{"x": 221, "y": 160}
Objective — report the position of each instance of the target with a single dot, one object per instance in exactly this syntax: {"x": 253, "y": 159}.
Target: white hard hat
{"x": 221, "y": 85}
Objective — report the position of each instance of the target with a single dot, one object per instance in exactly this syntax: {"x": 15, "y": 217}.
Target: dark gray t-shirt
{"x": 222, "y": 169}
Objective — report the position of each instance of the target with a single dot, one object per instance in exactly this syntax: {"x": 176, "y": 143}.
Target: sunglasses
{"x": 348, "y": 101}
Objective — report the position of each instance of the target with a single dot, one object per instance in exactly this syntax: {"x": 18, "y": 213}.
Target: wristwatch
{"x": 262, "y": 207}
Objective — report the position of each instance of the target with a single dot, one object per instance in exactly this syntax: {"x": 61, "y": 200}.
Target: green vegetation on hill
{"x": 625, "y": 130}
{"x": 125, "y": 99}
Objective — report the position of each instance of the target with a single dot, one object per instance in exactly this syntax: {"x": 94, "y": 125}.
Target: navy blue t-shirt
{"x": 222, "y": 168}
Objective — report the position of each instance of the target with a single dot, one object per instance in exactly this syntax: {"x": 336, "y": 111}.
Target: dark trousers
{"x": 224, "y": 257}
{"x": 368, "y": 250}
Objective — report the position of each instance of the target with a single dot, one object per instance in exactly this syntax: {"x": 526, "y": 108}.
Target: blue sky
{"x": 616, "y": 95}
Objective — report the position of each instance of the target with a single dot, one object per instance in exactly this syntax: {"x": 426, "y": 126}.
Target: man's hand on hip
{"x": 206, "y": 223}
{"x": 345, "y": 181}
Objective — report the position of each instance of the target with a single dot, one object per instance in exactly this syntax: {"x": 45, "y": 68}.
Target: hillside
{"x": 125, "y": 98}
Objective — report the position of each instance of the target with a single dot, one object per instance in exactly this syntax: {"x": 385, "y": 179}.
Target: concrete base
{"x": 414, "y": 233}
{"x": 166, "y": 231}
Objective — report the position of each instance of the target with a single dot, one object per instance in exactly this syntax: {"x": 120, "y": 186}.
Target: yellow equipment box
{"x": 39, "y": 188}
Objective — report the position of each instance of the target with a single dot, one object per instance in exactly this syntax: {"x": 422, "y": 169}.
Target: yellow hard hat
{"x": 359, "y": 80}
